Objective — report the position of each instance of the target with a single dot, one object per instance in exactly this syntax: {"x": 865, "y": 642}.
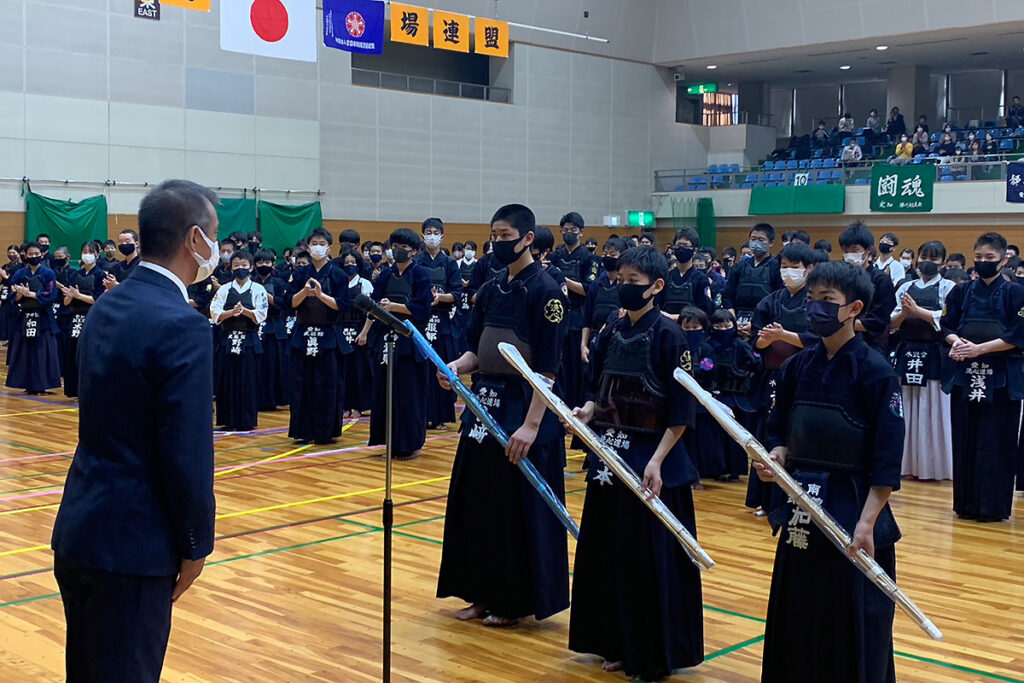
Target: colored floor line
{"x": 370, "y": 529}
{"x": 39, "y": 412}
{"x": 35, "y": 399}
{"x": 23, "y": 447}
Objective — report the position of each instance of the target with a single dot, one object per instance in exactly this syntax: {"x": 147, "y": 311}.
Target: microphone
{"x": 374, "y": 310}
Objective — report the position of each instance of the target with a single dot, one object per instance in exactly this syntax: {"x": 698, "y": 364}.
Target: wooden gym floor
{"x": 292, "y": 591}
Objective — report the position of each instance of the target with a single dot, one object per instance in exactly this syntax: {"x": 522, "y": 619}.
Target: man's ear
{"x": 856, "y": 308}
{"x": 658, "y": 285}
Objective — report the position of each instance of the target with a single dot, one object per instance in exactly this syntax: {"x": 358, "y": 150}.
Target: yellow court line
{"x": 24, "y": 550}
{"x": 326, "y": 499}
{"x": 40, "y": 412}
{"x": 18, "y": 511}
{"x": 262, "y": 462}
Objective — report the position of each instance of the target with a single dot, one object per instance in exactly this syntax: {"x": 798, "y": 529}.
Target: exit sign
{"x": 640, "y": 219}
{"x": 701, "y": 88}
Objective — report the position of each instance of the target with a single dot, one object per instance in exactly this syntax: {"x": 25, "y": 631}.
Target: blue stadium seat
{"x": 792, "y": 165}
{"x": 1006, "y": 144}
{"x": 734, "y": 168}
{"x": 746, "y": 186}
{"x": 775, "y": 177}
{"x": 679, "y": 188}
{"x": 961, "y": 177}
{"x": 751, "y": 178}
{"x": 918, "y": 158}
{"x": 935, "y": 137}
{"x": 818, "y": 153}
{"x": 815, "y": 163}
{"x": 770, "y": 185}
{"x": 1019, "y": 132}
{"x": 718, "y": 180}
{"x": 946, "y": 179}
{"x": 804, "y": 163}
{"x": 829, "y": 163}
{"x": 821, "y": 182}
{"x": 861, "y": 181}
{"x": 861, "y": 140}
{"x": 713, "y": 168}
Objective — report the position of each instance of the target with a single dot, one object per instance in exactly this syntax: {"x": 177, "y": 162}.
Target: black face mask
{"x": 505, "y": 252}
{"x": 986, "y": 269}
{"x": 59, "y": 263}
{"x": 928, "y": 269}
{"x": 44, "y": 248}
{"x": 400, "y": 255}
{"x": 33, "y": 260}
{"x": 264, "y": 270}
{"x": 571, "y": 238}
{"x": 240, "y": 274}
{"x": 694, "y": 339}
{"x": 126, "y": 249}
{"x": 376, "y": 258}
{"x": 351, "y": 271}
{"x": 723, "y": 337}
{"x": 631, "y": 297}
{"x": 885, "y": 247}
{"x": 591, "y": 248}
{"x": 823, "y": 318}
{"x": 683, "y": 254}
{"x": 610, "y": 263}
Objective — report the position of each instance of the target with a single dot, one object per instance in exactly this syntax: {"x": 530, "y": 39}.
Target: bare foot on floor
{"x": 471, "y": 612}
{"x": 499, "y": 622}
{"x": 611, "y": 666}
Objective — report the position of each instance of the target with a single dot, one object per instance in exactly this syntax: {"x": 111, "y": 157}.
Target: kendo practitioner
{"x": 504, "y": 552}
{"x": 62, "y": 272}
{"x": 32, "y": 352}
{"x": 318, "y": 292}
{"x": 858, "y": 245}
{"x": 580, "y": 269}
{"x": 43, "y": 240}
{"x": 109, "y": 256}
{"x": 404, "y": 290}
{"x": 928, "y": 451}
{"x": 779, "y": 328}
{"x": 223, "y": 272}
{"x": 128, "y": 245}
{"x": 984, "y": 326}
{"x": 84, "y": 286}
{"x": 356, "y": 370}
{"x": 752, "y": 279}
{"x": 240, "y": 308}
{"x": 837, "y": 427}
{"x": 8, "y": 308}
{"x": 602, "y": 297}
{"x": 446, "y": 286}
{"x": 687, "y": 285}
{"x": 636, "y": 596}
{"x": 704, "y": 444}
{"x": 485, "y": 268}
{"x": 273, "y": 382}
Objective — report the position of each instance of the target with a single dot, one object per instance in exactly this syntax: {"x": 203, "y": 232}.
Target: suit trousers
{"x": 117, "y": 625}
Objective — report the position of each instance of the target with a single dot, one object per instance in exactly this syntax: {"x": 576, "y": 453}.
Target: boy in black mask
{"x": 603, "y": 295}
{"x": 984, "y": 326}
{"x": 504, "y": 552}
{"x": 274, "y": 375}
{"x": 686, "y": 285}
{"x": 837, "y": 426}
{"x": 636, "y": 596}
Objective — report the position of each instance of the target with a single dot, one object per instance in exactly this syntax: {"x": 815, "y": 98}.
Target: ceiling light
{"x": 712, "y": 66}
{"x": 881, "y": 47}
{"x": 845, "y": 67}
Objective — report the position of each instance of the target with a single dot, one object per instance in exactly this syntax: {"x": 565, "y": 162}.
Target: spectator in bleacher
{"x": 904, "y": 151}
{"x": 948, "y": 130}
{"x": 873, "y": 124}
{"x": 946, "y": 146}
{"x": 895, "y": 125}
{"x": 991, "y": 147}
{"x": 1015, "y": 114}
{"x": 922, "y": 122}
{"x": 819, "y": 138}
{"x": 920, "y": 140}
{"x": 846, "y": 124}
{"x": 852, "y": 152}
{"x": 974, "y": 151}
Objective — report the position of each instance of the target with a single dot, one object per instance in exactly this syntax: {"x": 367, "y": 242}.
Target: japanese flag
{"x": 271, "y": 28}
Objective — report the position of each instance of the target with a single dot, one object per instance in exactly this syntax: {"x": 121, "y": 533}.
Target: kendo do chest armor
{"x": 631, "y": 396}
{"x": 239, "y": 323}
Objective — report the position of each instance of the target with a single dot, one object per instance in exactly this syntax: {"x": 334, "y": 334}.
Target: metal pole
{"x": 388, "y": 507}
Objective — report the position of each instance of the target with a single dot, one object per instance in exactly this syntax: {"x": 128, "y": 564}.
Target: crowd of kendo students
{"x": 286, "y": 333}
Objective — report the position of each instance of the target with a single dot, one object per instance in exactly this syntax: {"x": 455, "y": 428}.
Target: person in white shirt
{"x": 928, "y": 445}
{"x": 887, "y": 244}
{"x": 239, "y": 307}
{"x": 852, "y": 152}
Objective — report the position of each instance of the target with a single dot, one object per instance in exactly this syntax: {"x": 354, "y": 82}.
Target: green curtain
{"x": 69, "y": 224}
{"x": 282, "y": 225}
{"x": 706, "y": 225}
{"x": 797, "y": 199}
{"x": 236, "y": 215}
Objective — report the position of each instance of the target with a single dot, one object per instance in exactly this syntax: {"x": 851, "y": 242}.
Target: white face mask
{"x": 855, "y": 259}
{"x": 88, "y": 259}
{"x": 319, "y": 251}
{"x": 793, "y": 277}
{"x": 206, "y": 265}
{"x": 469, "y": 254}
{"x": 906, "y": 262}
{"x": 432, "y": 241}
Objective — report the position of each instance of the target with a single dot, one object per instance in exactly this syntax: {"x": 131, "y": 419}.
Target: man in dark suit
{"x": 137, "y": 517}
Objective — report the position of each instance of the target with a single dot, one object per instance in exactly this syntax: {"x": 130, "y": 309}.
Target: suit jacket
{"x": 139, "y": 494}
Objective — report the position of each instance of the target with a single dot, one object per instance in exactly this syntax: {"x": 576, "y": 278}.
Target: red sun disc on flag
{"x": 355, "y": 24}
{"x": 269, "y": 19}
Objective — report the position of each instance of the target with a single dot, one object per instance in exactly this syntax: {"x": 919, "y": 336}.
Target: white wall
{"x": 131, "y": 100}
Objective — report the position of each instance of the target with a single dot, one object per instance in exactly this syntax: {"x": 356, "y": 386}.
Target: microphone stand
{"x": 388, "y": 507}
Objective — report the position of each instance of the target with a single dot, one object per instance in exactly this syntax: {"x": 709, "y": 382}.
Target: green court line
{"x": 733, "y": 648}
{"x": 734, "y": 614}
{"x": 27, "y": 448}
{"x": 957, "y": 667}
{"x": 274, "y": 551}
